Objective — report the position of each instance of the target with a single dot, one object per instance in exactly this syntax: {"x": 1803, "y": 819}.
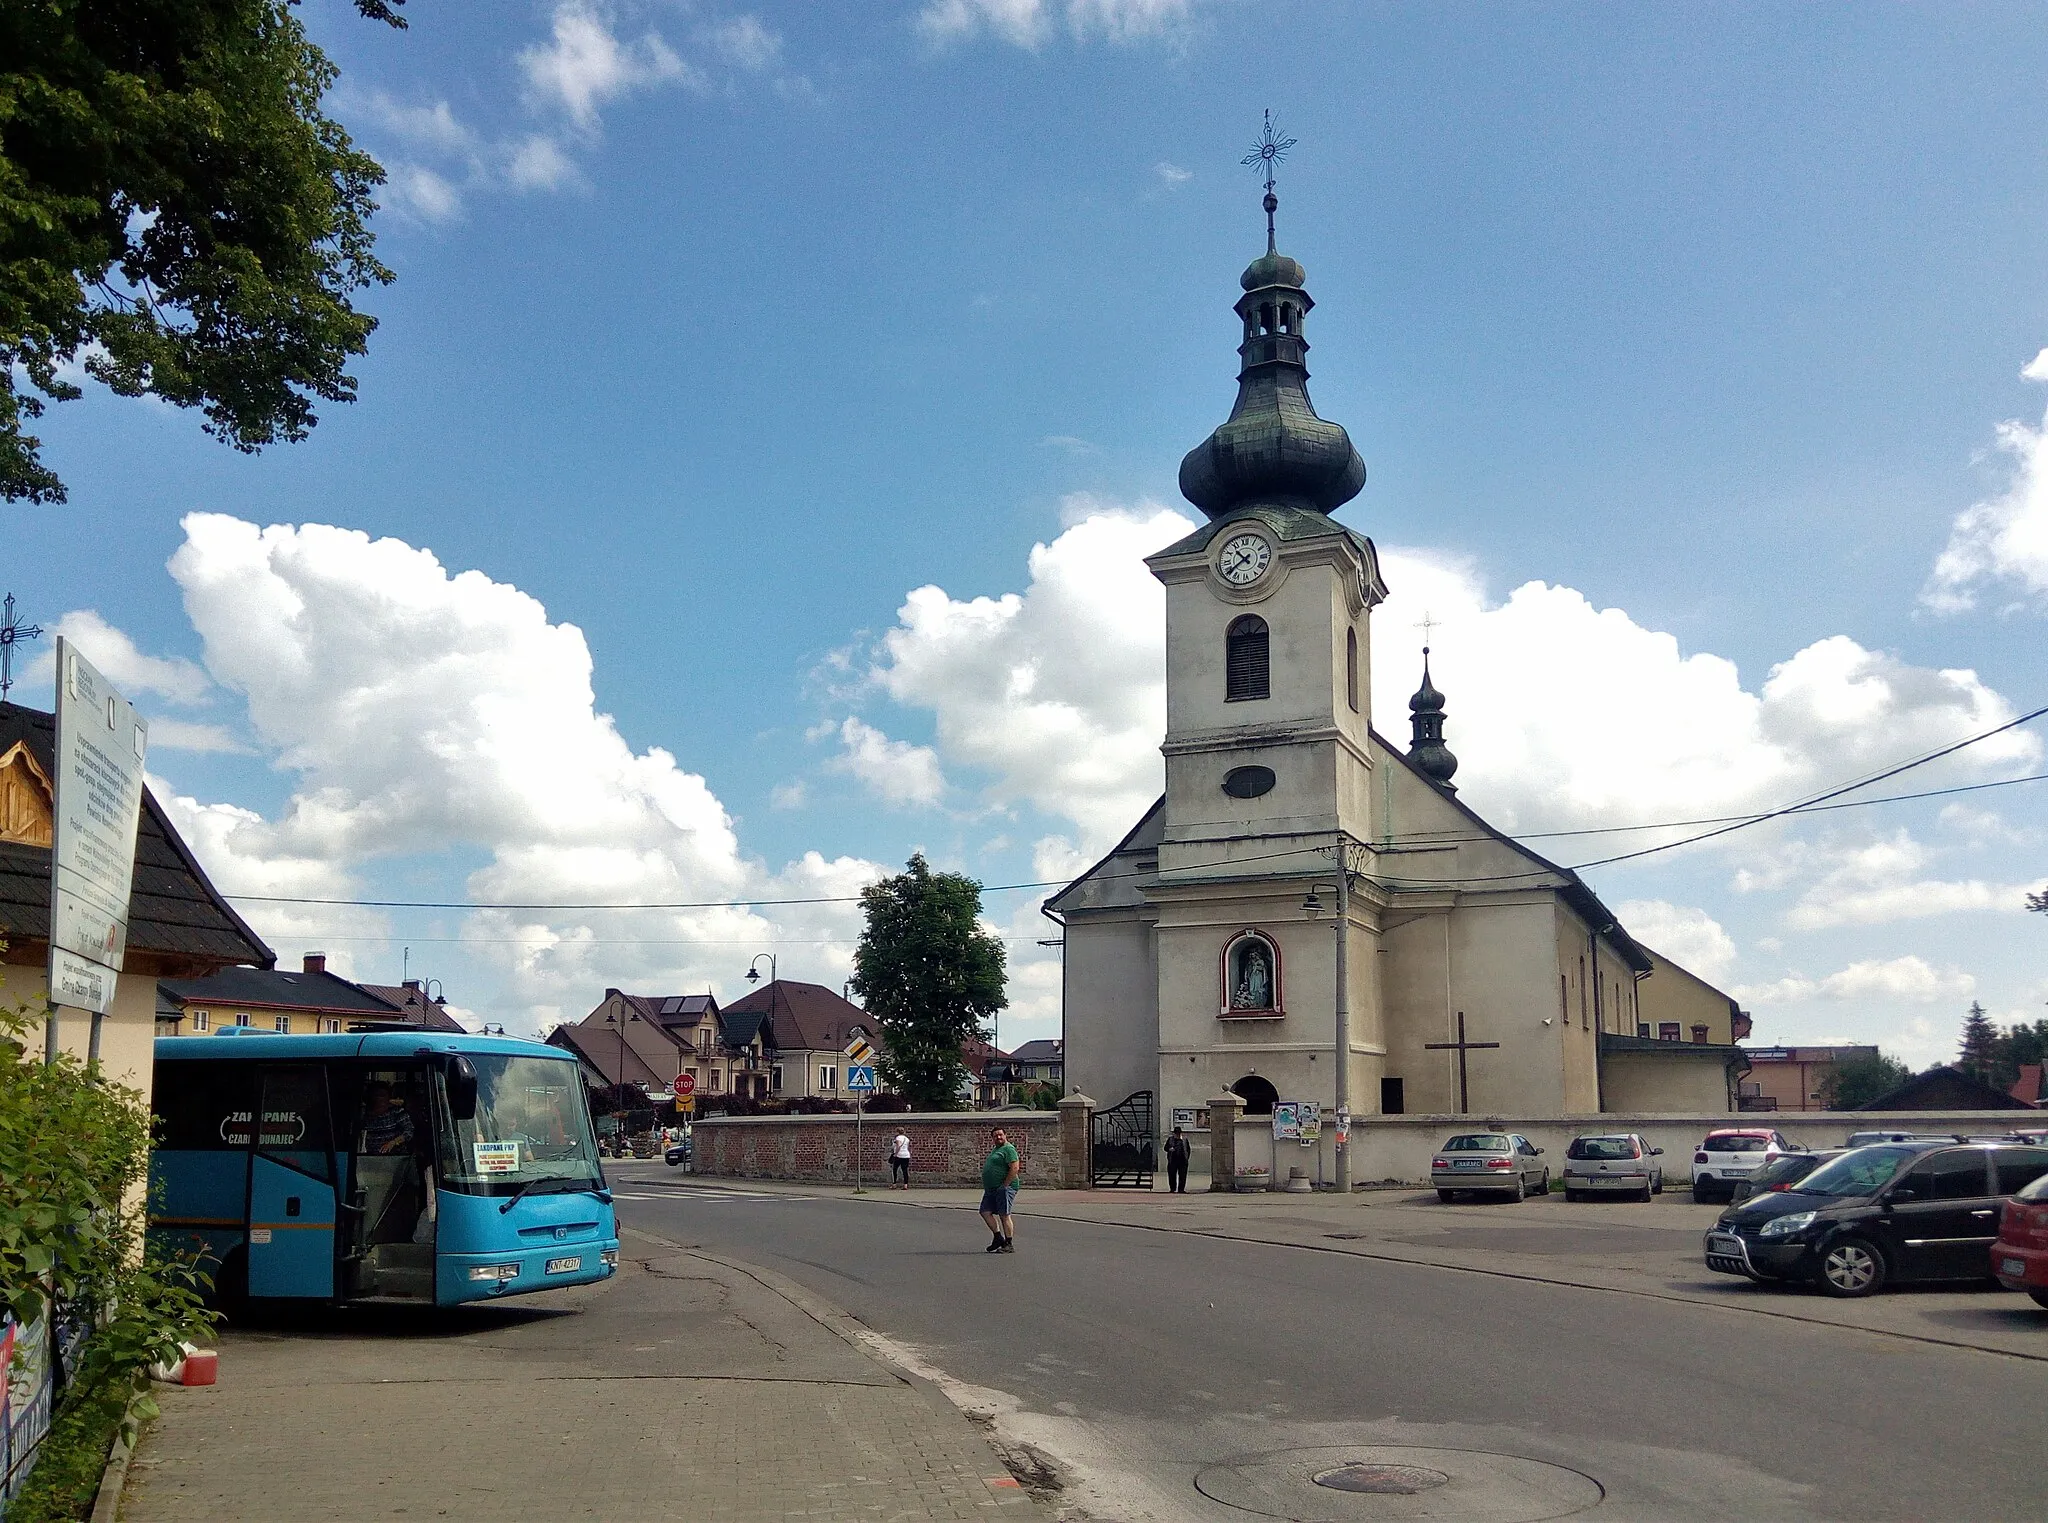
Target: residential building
{"x": 803, "y": 1029}
{"x": 310, "y": 1002}
{"x": 179, "y": 926}
{"x": 648, "y": 1040}
{"x": 1794, "y": 1078}
{"x": 2028, "y": 1088}
{"x": 1675, "y": 1005}
{"x": 1042, "y": 1060}
{"x": 1946, "y": 1089}
{"x": 411, "y": 1000}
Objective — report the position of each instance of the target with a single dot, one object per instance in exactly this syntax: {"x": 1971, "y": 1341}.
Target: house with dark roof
{"x": 1945, "y": 1089}
{"x": 310, "y": 1001}
{"x": 650, "y": 1040}
{"x": 179, "y": 925}
{"x": 806, "y": 1028}
{"x": 1042, "y": 1060}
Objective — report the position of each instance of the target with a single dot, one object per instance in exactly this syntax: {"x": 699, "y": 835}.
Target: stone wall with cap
{"x": 946, "y": 1148}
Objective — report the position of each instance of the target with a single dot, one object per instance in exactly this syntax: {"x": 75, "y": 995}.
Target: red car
{"x": 2020, "y": 1256}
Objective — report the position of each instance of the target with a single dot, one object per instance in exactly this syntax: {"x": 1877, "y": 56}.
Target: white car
{"x": 1734, "y": 1153}
{"x": 1612, "y": 1163}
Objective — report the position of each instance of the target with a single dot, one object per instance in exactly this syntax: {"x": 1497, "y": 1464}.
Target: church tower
{"x": 1268, "y": 742}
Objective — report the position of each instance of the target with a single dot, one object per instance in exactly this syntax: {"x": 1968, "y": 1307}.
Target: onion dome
{"x": 1426, "y": 746}
{"x": 1273, "y": 451}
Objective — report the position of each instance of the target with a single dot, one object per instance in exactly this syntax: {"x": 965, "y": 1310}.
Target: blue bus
{"x": 416, "y": 1167}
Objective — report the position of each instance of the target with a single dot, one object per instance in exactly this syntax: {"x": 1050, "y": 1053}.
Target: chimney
{"x": 316, "y": 962}
{"x": 413, "y": 984}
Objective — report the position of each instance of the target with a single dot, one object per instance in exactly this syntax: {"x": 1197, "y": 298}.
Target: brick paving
{"x": 683, "y": 1388}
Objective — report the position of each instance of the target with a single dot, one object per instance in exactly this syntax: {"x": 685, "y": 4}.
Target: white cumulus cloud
{"x": 122, "y": 662}
{"x": 421, "y": 711}
{"x": 584, "y": 65}
{"x": 1689, "y": 936}
{"x": 1906, "y": 978}
{"x": 896, "y": 770}
{"x": 2003, "y": 539}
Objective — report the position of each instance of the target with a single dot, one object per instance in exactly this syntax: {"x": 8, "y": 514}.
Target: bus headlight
{"x": 495, "y": 1272}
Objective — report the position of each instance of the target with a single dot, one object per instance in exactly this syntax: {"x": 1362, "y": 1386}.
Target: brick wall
{"x": 944, "y": 1149}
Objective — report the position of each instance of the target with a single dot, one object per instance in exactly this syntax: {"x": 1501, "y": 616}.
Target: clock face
{"x": 1244, "y": 560}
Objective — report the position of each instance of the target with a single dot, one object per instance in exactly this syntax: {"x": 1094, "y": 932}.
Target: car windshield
{"x": 1602, "y": 1147}
{"x": 1481, "y": 1143}
{"x": 1734, "y": 1144}
{"x": 1863, "y": 1172}
{"x": 531, "y": 1124}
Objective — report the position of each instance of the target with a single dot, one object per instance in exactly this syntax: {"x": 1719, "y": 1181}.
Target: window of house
{"x": 1699, "y": 1034}
{"x": 1585, "y": 1020}
{"x": 1246, "y": 661}
{"x": 284, "y": 1023}
{"x": 704, "y": 1040}
{"x": 1642, "y": 1028}
{"x": 714, "y": 1081}
{"x": 1351, "y": 668}
{"x": 1667, "y": 1031}
{"x": 775, "y": 1078}
{"x": 201, "y": 1020}
{"x": 1393, "y": 1101}
{"x": 828, "y": 1077}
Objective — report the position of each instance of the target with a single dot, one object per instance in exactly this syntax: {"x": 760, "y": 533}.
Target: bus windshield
{"x": 531, "y": 1124}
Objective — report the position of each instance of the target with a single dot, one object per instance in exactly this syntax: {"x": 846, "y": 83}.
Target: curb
{"x": 106, "y": 1502}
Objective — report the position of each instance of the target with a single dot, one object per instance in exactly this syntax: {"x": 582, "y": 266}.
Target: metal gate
{"x": 1123, "y": 1143}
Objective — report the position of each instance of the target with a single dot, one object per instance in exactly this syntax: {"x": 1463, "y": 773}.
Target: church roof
{"x": 1121, "y": 888}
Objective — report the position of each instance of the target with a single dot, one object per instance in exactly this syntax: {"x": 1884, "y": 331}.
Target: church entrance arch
{"x": 1258, "y": 1094}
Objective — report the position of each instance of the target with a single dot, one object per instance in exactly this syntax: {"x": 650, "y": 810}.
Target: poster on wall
{"x": 1286, "y": 1120}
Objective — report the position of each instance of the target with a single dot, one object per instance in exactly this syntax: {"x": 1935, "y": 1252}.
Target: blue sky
{"x": 719, "y": 331}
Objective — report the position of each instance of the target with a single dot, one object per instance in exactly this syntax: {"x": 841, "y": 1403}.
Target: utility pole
{"x": 1343, "y": 1118}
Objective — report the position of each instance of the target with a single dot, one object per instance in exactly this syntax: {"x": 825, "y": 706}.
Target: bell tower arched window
{"x": 1247, "y": 662}
{"x": 1251, "y": 975}
{"x": 1351, "y": 668}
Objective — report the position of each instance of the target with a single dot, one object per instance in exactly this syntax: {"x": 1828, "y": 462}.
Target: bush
{"x": 74, "y": 1155}
{"x": 68, "y": 1465}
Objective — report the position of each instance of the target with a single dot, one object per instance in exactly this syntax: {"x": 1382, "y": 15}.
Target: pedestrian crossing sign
{"x": 860, "y": 1079}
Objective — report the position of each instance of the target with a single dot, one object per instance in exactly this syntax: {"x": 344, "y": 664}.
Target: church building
{"x": 1301, "y": 865}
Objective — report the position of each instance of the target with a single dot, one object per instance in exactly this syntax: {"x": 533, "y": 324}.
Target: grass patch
{"x": 67, "y": 1473}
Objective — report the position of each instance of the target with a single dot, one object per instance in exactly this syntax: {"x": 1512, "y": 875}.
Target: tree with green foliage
{"x": 178, "y": 216}
{"x": 930, "y": 974}
{"x": 1979, "y": 1050}
{"x": 2014, "y": 1047}
{"x": 1854, "y": 1082}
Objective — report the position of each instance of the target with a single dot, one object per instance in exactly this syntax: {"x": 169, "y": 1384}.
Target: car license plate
{"x": 1466, "y": 1163}
{"x": 2013, "y": 1267}
{"x": 1716, "y": 1243}
{"x": 564, "y": 1266}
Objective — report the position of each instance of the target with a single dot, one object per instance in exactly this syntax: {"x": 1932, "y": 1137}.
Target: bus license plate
{"x": 564, "y": 1266}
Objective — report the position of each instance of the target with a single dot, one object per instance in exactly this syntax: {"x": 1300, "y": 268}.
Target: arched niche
{"x": 1250, "y": 976}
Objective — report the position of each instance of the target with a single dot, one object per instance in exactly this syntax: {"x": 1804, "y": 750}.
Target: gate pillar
{"x": 1077, "y": 1117}
{"x": 1223, "y": 1113}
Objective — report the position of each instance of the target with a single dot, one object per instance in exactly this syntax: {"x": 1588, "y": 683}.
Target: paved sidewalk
{"x": 1639, "y": 1249}
{"x": 687, "y": 1386}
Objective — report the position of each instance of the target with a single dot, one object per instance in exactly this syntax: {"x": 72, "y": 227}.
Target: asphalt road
{"x": 1160, "y": 1372}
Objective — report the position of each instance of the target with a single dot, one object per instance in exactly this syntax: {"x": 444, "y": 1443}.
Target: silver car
{"x": 1493, "y": 1163}
{"x": 1612, "y": 1163}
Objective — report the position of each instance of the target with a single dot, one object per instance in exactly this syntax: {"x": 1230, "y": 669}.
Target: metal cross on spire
{"x": 1267, "y": 153}
{"x": 12, "y": 633}
{"x": 1426, "y": 624}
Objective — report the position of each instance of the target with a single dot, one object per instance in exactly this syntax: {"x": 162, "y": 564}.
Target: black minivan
{"x": 1879, "y": 1215}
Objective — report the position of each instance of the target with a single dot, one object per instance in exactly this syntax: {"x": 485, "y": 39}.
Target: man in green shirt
{"x": 999, "y": 1193}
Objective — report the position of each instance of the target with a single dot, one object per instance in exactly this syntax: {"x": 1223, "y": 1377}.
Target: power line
{"x": 1818, "y": 803}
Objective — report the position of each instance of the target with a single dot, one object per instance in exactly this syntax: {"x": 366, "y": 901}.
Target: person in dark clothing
{"x": 1177, "y": 1163}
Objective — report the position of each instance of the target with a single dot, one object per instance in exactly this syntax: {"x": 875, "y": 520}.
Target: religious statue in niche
{"x": 1250, "y": 972}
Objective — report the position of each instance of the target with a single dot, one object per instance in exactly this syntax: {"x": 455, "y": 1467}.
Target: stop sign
{"x": 686, "y": 1084}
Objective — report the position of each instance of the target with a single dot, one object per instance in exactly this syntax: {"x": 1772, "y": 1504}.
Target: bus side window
{"x": 294, "y": 1127}
{"x": 204, "y": 1107}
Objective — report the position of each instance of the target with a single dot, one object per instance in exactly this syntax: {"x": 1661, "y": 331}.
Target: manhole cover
{"x": 1369, "y": 1482}
{"x": 1383, "y": 1480}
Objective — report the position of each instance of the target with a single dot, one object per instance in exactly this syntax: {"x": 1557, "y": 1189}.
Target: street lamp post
{"x": 754, "y": 977}
{"x": 619, "y": 1087}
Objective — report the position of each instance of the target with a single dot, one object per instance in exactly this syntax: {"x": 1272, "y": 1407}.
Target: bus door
{"x": 393, "y": 1203}
{"x": 291, "y": 1186}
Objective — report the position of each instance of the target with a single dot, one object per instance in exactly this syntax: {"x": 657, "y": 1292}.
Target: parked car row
{"x": 1893, "y": 1212}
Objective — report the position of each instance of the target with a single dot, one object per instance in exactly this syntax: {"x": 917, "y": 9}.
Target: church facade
{"x": 1203, "y": 953}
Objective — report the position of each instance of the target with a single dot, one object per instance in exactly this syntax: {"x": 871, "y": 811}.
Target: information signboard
{"x": 101, "y": 747}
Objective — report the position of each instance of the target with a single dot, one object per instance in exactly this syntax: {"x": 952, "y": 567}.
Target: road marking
{"x": 684, "y": 1192}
